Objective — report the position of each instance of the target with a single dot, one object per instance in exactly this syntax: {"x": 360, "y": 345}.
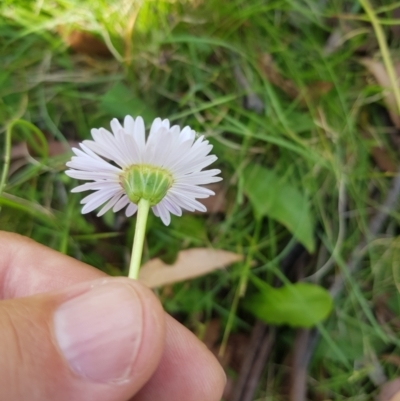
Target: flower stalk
{"x": 138, "y": 240}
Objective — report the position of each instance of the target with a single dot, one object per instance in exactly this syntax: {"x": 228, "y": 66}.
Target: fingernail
{"x": 99, "y": 331}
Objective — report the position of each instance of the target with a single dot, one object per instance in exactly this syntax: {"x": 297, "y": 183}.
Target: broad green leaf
{"x": 298, "y": 305}
{"x": 278, "y": 199}
{"x": 120, "y": 101}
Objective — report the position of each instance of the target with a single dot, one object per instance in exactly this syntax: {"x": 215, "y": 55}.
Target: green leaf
{"x": 276, "y": 198}
{"x": 120, "y": 101}
{"x": 298, "y": 305}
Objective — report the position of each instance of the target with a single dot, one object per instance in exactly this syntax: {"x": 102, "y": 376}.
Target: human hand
{"x": 69, "y": 332}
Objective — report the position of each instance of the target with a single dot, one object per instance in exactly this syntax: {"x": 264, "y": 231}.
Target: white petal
{"x": 88, "y": 152}
{"x": 181, "y": 202}
{"x": 129, "y": 124}
{"x": 108, "y": 143}
{"x": 97, "y": 185}
{"x": 80, "y": 163}
{"x": 195, "y": 166}
{"x": 128, "y": 148}
{"x": 187, "y": 134}
{"x": 177, "y": 155}
{"x": 165, "y": 123}
{"x": 171, "y": 206}
{"x": 94, "y": 200}
{"x": 110, "y": 203}
{"x": 188, "y": 200}
{"x": 131, "y": 210}
{"x": 200, "y": 180}
{"x": 197, "y": 152}
{"x": 100, "y": 150}
{"x": 155, "y": 211}
{"x": 115, "y": 126}
{"x": 91, "y": 175}
{"x": 154, "y": 145}
{"x": 155, "y": 126}
{"x": 200, "y": 177}
{"x": 162, "y": 153}
{"x": 175, "y": 131}
{"x": 121, "y": 203}
{"x": 99, "y": 194}
{"x": 164, "y": 214}
{"x": 139, "y": 134}
{"x": 198, "y": 192}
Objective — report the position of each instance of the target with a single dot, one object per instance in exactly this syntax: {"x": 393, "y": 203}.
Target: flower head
{"x": 123, "y": 167}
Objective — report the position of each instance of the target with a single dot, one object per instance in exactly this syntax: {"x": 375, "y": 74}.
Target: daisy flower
{"x": 123, "y": 167}
{"x": 163, "y": 172}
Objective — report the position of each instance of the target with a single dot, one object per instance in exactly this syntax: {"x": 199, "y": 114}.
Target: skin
{"x": 171, "y": 364}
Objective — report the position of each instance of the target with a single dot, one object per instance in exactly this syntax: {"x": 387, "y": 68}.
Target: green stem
{"x": 387, "y": 60}
{"x": 241, "y": 288}
{"x": 41, "y": 148}
{"x": 140, "y": 229}
{"x": 7, "y": 158}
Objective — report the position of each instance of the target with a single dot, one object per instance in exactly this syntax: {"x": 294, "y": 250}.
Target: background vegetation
{"x": 300, "y": 101}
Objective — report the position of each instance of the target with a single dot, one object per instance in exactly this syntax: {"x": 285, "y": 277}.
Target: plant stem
{"x": 387, "y": 60}
{"x": 140, "y": 229}
{"x": 7, "y": 158}
{"x": 241, "y": 288}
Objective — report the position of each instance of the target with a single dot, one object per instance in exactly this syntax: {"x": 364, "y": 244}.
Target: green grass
{"x": 177, "y": 60}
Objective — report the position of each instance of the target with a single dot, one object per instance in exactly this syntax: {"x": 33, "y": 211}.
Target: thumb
{"x": 99, "y": 340}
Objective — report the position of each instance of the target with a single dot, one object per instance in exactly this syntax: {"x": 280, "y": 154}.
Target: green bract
{"x": 142, "y": 181}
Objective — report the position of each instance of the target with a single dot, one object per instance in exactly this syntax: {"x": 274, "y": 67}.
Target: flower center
{"x": 147, "y": 182}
